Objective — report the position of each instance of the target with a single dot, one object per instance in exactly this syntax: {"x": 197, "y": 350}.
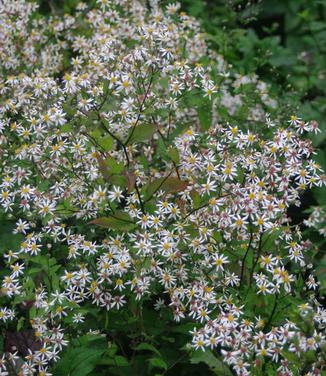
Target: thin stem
{"x": 139, "y": 198}
{"x": 93, "y": 141}
{"x": 117, "y": 139}
{"x": 203, "y": 206}
{"x": 140, "y": 109}
{"x": 165, "y": 144}
{"x": 158, "y": 188}
{"x": 256, "y": 260}
{"x": 273, "y": 311}
{"x": 245, "y": 256}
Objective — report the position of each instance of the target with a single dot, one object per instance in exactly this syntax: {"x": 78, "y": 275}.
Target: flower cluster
{"x": 116, "y": 186}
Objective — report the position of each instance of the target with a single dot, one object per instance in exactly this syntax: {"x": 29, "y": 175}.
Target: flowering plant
{"x": 144, "y": 182}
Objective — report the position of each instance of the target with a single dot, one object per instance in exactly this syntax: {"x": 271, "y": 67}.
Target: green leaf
{"x": 195, "y": 198}
{"x": 119, "y": 181}
{"x": 114, "y": 166}
{"x": 1, "y": 343}
{"x": 158, "y": 362}
{"x": 111, "y": 170}
{"x": 168, "y": 185}
{"x": 87, "y": 340}
{"x": 20, "y": 323}
{"x": 141, "y": 133}
{"x": 317, "y": 26}
{"x": 78, "y": 361}
{"x": 106, "y": 142}
{"x": 68, "y": 127}
{"x": 121, "y": 361}
{"x": 147, "y": 346}
{"x": 112, "y": 350}
{"x": 205, "y": 117}
{"x": 269, "y": 238}
{"x": 8, "y": 240}
{"x": 65, "y": 209}
{"x": 321, "y": 269}
{"x": 118, "y": 221}
{"x": 69, "y": 110}
{"x": 213, "y": 363}
{"x": 292, "y": 357}
{"x": 117, "y": 360}
{"x": 173, "y": 154}
{"x": 282, "y": 57}
{"x": 183, "y": 328}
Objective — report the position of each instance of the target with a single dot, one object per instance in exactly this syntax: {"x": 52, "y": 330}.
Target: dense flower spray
{"x": 117, "y": 180}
